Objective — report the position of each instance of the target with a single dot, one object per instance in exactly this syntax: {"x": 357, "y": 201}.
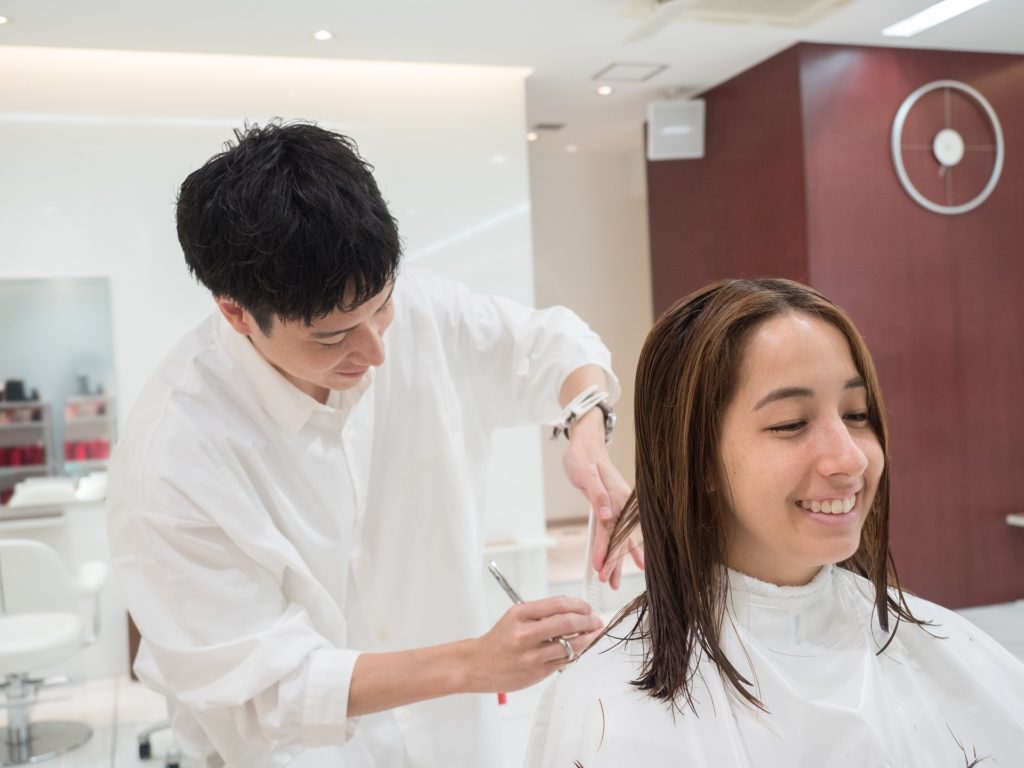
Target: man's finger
{"x": 565, "y": 625}
{"x": 580, "y": 643}
{"x": 596, "y": 493}
{"x": 616, "y": 577}
{"x": 616, "y": 486}
{"x": 535, "y": 610}
{"x": 602, "y": 536}
{"x": 636, "y": 550}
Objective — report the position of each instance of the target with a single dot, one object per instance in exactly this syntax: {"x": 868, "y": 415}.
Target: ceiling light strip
{"x": 931, "y": 17}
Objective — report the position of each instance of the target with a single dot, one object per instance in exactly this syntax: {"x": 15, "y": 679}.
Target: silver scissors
{"x": 492, "y": 566}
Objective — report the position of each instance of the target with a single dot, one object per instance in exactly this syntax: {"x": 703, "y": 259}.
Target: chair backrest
{"x": 33, "y": 578}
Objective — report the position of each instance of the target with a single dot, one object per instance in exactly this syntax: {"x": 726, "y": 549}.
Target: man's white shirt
{"x": 263, "y": 539}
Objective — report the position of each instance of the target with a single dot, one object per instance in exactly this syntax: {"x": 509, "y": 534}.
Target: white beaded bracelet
{"x": 583, "y": 403}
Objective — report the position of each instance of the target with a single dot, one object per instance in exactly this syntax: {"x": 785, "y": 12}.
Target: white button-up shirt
{"x": 263, "y": 539}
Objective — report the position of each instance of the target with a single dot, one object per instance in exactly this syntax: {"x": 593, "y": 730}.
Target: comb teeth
{"x": 592, "y": 592}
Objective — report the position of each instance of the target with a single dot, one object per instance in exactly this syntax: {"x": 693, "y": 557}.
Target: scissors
{"x": 570, "y": 654}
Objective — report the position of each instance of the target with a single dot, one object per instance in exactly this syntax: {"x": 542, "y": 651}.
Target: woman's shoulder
{"x": 940, "y": 637}
{"x": 596, "y": 715}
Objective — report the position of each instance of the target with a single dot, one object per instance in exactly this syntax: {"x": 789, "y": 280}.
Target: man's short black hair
{"x": 288, "y": 222}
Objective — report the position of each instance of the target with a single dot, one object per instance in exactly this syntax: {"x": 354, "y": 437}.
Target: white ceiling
{"x": 565, "y": 42}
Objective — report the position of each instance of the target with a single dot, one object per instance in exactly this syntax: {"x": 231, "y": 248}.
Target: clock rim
{"x": 897, "y": 155}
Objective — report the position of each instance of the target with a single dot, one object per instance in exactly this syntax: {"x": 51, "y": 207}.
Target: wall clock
{"x": 947, "y": 146}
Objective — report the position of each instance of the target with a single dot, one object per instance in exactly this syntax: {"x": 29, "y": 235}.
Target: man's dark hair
{"x": 288, "y": 222}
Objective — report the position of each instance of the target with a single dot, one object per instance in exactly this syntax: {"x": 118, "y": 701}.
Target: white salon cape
{"x": 262, "y": 540}
{"x": 833, "y": 702}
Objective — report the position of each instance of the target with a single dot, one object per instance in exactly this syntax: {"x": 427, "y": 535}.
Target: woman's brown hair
{"x": 685, "y": 378}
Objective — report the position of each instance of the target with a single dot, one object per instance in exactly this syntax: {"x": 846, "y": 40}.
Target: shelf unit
{"x": 90, "y": 424}
{"x": 26, "y": 443}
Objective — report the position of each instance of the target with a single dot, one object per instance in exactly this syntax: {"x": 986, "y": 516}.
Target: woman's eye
{"x": 791, "y": 426}
{"x": 858, "y": 417}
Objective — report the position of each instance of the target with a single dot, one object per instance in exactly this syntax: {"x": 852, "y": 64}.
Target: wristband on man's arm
{"x": 583, "y": 403}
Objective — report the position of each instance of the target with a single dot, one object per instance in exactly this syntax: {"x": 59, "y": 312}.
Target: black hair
{"x": 288, "y": 222}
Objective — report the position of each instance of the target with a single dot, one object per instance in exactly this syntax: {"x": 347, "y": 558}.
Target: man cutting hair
{"x": 296, "y": 501}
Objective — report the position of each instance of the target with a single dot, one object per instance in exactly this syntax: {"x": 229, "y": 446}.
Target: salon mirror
{"x": 58, "y": 409}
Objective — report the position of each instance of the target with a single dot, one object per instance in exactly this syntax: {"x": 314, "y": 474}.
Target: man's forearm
{"x": 518, "y": 651}
{"x": 386, "y": 680}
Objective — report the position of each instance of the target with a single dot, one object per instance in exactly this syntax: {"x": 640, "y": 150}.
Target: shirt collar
{"x": 287, "y": 405}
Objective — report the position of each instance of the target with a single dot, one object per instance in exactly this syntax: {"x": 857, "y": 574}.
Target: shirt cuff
{"x": 325, "y": 709}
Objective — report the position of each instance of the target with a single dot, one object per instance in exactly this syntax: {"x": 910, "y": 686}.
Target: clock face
{"x": 947, "y": 147}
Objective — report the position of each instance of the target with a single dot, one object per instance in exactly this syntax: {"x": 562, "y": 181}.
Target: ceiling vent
{"x": 792, "y": 13}
{"x": 629, "y": 73}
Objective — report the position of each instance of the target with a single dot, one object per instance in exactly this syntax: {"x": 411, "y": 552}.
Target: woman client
{"x": 773, "y": 631}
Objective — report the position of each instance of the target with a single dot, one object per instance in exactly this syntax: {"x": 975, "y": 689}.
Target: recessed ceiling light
{"x": 571, "y": 148}
{"x": 322, "y": 35}
{"x": 4, "y": 19}
{"x": 605, "y": 90}
{"x": 532, "y": 136}
{"x": 931, "y": 17}
{"x": 498, "y": 159}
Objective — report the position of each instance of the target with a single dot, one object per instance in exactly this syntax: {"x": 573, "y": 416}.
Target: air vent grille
{"x": 794, "y": 13}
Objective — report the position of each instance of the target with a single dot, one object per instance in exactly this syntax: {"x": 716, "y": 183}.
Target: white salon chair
{"x": 46, "y": 616}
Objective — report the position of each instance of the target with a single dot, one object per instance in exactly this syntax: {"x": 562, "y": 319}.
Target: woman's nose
{"x": 840, "y": 453}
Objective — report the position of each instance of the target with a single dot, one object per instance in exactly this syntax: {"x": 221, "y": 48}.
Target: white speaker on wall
{"x": 675, "y": 129}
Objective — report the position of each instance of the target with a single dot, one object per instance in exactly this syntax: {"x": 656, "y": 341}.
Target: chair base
{"x": 46, "y": 740}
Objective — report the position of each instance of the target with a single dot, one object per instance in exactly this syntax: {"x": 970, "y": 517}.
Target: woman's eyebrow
{"x": 785, "y": 392}
{"x": 781, "y": 394}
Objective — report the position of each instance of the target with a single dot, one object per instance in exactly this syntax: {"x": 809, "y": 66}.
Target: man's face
{"x": 333, "y": 352}
{"x": 801, "y": 463}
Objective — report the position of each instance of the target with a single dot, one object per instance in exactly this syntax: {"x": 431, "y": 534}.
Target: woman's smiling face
{"x": 800, "y": 463}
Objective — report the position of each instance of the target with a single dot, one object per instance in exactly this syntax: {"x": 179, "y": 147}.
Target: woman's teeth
{"x": 830, "y": 506}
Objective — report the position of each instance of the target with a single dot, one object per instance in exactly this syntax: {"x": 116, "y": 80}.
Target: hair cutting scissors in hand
{"x": 492, "y": 566}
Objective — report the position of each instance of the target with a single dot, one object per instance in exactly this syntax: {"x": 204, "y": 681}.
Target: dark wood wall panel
{"x": 939, "y": 299}
{"x": 739, "y": 211}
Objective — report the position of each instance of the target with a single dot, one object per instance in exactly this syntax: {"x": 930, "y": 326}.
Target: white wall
{"x": 591, "y": 254}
